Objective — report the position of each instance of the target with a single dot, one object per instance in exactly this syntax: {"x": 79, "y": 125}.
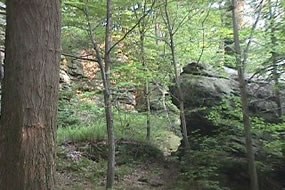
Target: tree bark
{"x": 142, "y": 31}
{"x": 275, "y": 73}
{"x": 228, "y": 44}
{"x": 30, "y": 94}
{"x": 177, "y": 78}
{"x": 105, "y": 69}
{"x": 108, "y": 99}
{"x": 244, "y": 100}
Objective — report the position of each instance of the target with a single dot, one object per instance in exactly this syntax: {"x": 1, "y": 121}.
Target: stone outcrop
{"x": 204, "y": 87}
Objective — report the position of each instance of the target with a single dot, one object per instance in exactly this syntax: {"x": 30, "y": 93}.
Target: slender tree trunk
{"x": 105, "y": 69}
{"x": 156, "y": 31}
{"x": 30, "y": 94}
{"x": 148, "y": 114}
{"x": 146, "y": 99}
{"x": 221, "y": 50}
{"x": 244, "y": 101}
{"x": 177, "y": 78}
{"x": 146, "y": 84}
{"x": 275, "y": 73}
{"x": 240, "y": 13}
{"x": 108, "y": 100}
{"x": 228, "y": 43}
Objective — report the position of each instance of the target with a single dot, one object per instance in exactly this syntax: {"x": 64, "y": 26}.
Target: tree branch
{"x": 203, "y": 35}
{"x": 133, "y": 27}
{"x": 245, "y": 55}
{"x": 79, "y": 57}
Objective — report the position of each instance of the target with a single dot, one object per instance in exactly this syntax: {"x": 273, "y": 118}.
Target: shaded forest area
{"x": 150, "y": 95}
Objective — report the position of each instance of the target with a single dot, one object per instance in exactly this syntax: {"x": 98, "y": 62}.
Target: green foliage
{"x": 271, "y": 136}
{"x": 267, "y": 137}
{"x": 73, "y": 109}
{"x": 209, "y": 154}
{"x": 227, "y": 113}
{"x": 81, "y": 133}
{"x": 200, "y": 32}
{"x": 81, "y": 118}
{"x": 134, "y": 151}
{"x": 202, "y": 165}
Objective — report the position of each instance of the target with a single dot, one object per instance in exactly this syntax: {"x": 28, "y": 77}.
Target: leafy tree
{"x": 142, "y": 27}
{"x": 240, "y": 64}
{"x": 273, "y": 22}
{"x": 171, "y": 43}
{"x": 105, "y": 68}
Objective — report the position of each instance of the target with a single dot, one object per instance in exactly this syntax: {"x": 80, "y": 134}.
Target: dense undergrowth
{"x": 82, "y": 118}
{"x": 82, "y": 131}
{"x": 218, "y": 160}
{"x": 82, "y": 149}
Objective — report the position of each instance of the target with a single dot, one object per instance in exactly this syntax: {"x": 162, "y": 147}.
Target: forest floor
{"x": 160, "y": 175}
{"x": 140, "y": 166}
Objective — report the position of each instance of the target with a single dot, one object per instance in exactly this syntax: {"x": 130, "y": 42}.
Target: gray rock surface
{"x": 205, "y": 87}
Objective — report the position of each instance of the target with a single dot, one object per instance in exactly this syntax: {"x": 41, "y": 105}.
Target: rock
{"x": 143, "y": 179}
{"x": 64, "y": 77}
{"x": 75, "y": 69}
{"x": 156, "y": 182}
{"x": 205, "y": 87}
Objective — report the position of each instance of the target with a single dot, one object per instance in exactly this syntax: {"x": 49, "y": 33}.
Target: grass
{"x": 132, "y": 126}
{"x": 81, "y": 133}
{"x": 81, "y": 119}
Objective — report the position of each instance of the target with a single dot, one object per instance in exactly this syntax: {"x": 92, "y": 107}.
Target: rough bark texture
{"x": 30, "y": 93}
{"x": 244, "y": 101}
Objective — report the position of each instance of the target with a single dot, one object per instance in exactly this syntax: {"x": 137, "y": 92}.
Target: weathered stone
{"x": 75, "y": 69}
{"x": 64, "y": 77}
{"x": 204, "y": 87}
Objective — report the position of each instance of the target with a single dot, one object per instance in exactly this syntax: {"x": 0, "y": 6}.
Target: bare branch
{"x": 79, "y": 57}
{"x": 92, "y": 38}
{"x": 133, "y": 27}
{"x": 245, "y": 55}
{"x": 159, "y": 38}
{"x": 182, "y": 22}
{"x": 203, "y": 37}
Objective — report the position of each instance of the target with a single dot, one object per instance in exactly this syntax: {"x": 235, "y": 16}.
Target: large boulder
{"x": 204, "y": 87}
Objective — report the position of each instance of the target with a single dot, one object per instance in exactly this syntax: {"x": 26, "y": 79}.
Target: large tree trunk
{"x": 30, "y": 93}
{"x": 244, "y": 100}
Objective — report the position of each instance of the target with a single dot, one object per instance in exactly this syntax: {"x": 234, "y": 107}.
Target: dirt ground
{"x": 157, "y": 174}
